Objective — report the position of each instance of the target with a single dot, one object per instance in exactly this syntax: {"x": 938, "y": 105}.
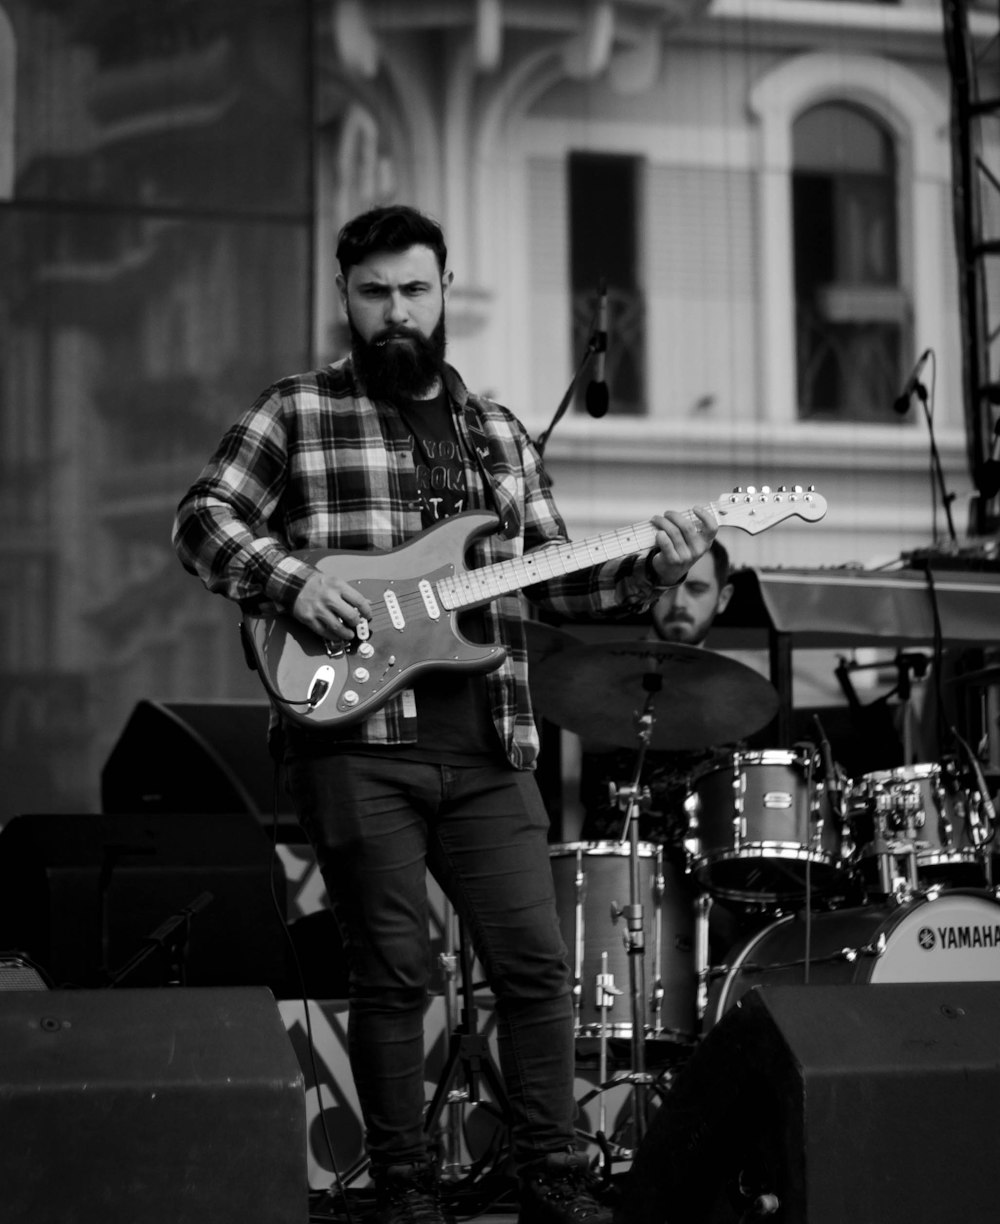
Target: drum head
{"x": 954, "y": 937}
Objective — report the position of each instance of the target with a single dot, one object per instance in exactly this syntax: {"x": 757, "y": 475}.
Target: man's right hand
{"x": 331, "y": 607}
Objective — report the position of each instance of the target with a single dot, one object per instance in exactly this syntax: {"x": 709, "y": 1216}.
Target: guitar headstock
{"x": 755, "y": 509}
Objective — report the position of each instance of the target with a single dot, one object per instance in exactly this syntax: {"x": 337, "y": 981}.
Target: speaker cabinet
{"x": 195, "y": 757}
{"x": 869, "y": 1104}
{"x": 170, "y": 1106}
{"x": 18, "y": 973}
{"x": 83, "y": 895}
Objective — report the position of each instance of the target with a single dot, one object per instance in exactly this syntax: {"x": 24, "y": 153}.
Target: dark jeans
{"x": 377, "y": 825}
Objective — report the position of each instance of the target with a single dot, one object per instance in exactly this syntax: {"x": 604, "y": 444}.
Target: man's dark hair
{"x": 721, "y": 558}
{"x": 392, "y": 227}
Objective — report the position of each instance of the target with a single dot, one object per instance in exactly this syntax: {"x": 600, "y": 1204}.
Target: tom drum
{"x": 760, "y": 828}
{"x": 592, "y": 882}
{"x": 924, "y": 811}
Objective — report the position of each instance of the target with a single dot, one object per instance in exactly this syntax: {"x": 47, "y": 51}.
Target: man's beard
{"x": 684, "y": 630}
{"x": 392, "y": 369}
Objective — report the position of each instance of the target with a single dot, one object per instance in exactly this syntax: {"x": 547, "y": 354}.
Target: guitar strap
{"x": 491, "y": 463}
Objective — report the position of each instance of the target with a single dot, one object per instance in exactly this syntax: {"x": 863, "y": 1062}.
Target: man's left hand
{"x": 682, "y": 536}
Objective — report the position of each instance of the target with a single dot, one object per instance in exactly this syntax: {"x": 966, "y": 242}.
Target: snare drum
{"x": 919, "y": 810}
{"x": 760, "y": 828}
{"x": 592, "y": 882}
{"x": 952, "y": 937}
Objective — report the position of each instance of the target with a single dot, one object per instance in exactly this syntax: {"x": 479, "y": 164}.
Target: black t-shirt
{"x": 454, "y": 723}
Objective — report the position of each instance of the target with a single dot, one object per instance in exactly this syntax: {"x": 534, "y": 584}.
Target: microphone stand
{"x": 595, "y": 345}
{"x": 920, "y": 391}
{"x": 172, "y": 938}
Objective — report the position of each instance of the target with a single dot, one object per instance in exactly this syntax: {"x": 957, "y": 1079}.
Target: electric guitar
{"x": 418, "y": 589}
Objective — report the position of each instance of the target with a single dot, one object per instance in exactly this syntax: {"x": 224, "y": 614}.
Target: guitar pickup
{"x": 392, "y": 606}
{"x": 430, "y": 603}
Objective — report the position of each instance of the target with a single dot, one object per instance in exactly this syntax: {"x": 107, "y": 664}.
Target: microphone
{"x": 988, "y": 472}
{"x": 901, "y": 404}
{"x": 597, "y": 389}
{"x": 831, "y": 776}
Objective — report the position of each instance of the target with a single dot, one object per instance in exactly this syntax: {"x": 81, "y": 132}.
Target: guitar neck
{"x": 750, "y": 509}
{"x": 479, "y": 586}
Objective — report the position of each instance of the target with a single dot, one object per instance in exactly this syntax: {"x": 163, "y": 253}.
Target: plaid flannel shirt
{"x": 316, "y": 464}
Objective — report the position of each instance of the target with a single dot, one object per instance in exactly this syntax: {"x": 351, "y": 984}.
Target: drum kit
{"x": 886, "y": 877}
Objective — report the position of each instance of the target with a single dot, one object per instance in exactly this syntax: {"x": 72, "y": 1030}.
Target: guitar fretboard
{"x": 479, "y": 586}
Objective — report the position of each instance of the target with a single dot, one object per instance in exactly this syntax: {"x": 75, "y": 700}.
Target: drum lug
{"x": 869, "y": 949}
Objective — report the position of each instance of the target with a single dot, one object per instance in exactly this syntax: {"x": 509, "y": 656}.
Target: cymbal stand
{"x": 635, "y": 938}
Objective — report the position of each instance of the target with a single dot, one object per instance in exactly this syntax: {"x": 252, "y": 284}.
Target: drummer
{"x": 683, "y": 614}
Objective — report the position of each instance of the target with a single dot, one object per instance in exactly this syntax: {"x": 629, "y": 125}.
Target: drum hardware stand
{"x": 635, "y": 939}
{"x": 449, "y": 962}
{"x": 468, "y": 1052}
{"x": 606, "y": 991}
{"x": 579, "y": 887}
{"x": 467, "y": 1048}
{"x": 702, "y": 958}
{"x": 982, "y": 813}
{"x": 897, "y": 866}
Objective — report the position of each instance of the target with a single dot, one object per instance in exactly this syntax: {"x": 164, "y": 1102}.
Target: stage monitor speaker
{"x": 18, "y": 973}
{"x": 82, "y": 895}
{"x": 193, "y": 757}
{"x": 169, "y": 1106}
{"x": 827, "y": 1104}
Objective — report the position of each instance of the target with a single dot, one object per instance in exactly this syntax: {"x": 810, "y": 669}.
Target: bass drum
{"x": 952, "y": 937}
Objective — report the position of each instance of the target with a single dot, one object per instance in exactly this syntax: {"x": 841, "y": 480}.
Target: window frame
{"x": 918, "y": 120}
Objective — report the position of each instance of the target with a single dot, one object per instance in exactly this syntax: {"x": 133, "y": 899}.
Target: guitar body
{"x": 324, "y": 684}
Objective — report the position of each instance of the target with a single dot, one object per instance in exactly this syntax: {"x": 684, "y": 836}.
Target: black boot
{"x": 407, "y": 1194}
{"x": 560, "y": 1189}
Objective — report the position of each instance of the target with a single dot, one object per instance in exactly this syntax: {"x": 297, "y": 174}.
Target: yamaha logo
{"x": 986, "y": 935}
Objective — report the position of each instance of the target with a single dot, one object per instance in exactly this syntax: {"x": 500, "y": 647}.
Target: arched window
{"x": 852, "y": 316}
{"x": 907, "y": 136}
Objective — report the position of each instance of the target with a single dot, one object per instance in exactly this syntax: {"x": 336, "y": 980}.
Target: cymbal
{"x": 544, "y": 640}
{"x": 700, "y": 698}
